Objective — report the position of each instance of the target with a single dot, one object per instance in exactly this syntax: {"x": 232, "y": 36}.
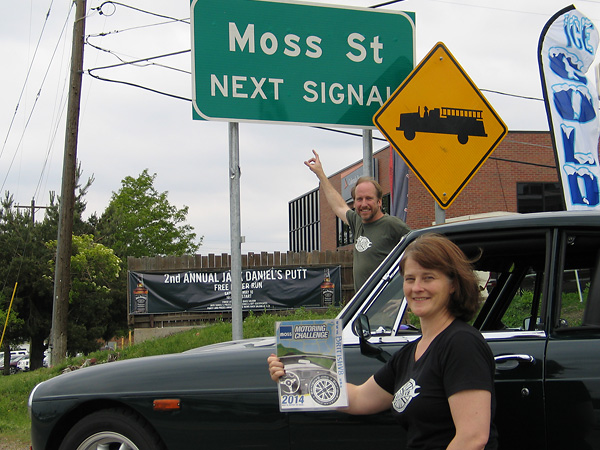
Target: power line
{"x": 90, "y": 72}
{"x": 349, "y": 133}
{"x": 31, "y": 67}
{"x": 187, "y": 21}
{"x": 102, "y": 13}
{"x": 33, "y": 108}
{"x": 513, "y": 95}
{"x": 160, "y": 92}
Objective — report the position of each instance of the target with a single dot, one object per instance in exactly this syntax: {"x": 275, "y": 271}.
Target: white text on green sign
{"x": 264, "y": 61}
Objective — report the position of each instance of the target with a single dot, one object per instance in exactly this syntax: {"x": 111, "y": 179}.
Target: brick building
{"x": 519, "y": 176}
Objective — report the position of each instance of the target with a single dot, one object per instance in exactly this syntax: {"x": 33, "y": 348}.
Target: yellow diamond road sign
{"x": 441, "y": 125}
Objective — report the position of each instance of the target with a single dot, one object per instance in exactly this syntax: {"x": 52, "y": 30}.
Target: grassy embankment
{"x": 15, "y": 389}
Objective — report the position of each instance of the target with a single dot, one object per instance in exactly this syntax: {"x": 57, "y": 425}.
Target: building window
{"x": 539, "y": 197}
{"x": 305, "y": 223}
{"x": 343, "y": 233}
{"x": 385, "y": 204}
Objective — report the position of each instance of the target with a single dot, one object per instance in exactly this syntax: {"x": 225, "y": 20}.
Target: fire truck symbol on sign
{"x": 441, "y": 125}
{"x": 461, "y": 122}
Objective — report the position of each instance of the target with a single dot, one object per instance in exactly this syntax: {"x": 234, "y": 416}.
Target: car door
{"x": 514, "y": 265}
{"x": 572, "y": 384}
{"x": 512, "y": 321}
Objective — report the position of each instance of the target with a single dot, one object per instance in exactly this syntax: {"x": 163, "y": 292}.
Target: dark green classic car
{"x": 540, "y": 275}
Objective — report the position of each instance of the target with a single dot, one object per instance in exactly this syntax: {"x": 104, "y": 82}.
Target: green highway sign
{"x": 296, "y": 63}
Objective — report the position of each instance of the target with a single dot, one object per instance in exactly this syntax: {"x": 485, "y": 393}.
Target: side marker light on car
{"x": 166, "y": 404}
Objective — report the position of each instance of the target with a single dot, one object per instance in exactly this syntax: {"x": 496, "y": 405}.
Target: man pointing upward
{"x": 375, "y": 233}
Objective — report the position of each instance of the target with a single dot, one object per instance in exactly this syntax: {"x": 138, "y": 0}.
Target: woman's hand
{"x": 276, "y": 370}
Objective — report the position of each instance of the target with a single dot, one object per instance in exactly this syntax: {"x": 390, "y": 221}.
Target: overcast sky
{"x": 125, "y": 129}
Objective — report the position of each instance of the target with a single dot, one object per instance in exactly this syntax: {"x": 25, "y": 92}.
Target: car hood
{"x": 235, "y": 345}
{"x": 223, "y": 367}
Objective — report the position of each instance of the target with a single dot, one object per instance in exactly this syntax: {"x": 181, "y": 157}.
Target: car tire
{"x": 116, "y": 427}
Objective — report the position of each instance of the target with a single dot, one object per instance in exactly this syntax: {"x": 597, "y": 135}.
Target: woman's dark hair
{"x": 434, "y": 251}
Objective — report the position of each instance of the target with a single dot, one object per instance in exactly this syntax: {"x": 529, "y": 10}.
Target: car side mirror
{"x": 363, "y": 329}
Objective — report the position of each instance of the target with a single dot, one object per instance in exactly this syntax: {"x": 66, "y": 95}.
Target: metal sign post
{"x": 235, "y": 233}
{"x": 293, "y": 63}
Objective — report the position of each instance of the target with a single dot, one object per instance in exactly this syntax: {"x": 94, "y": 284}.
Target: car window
{"x": 523, "y": 312}
{"x": 580, "y": 283}
{"x": 383, "y": 311}
{"x": 511, "y": 271}
{"x": 516, "y": 268}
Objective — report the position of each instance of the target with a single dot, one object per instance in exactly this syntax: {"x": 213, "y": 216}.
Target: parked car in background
{"x": 541, "y": 318}
{"x": 14, "y": 363}
{"x": 23, "y": 364}
{"x": 14, "y": 353}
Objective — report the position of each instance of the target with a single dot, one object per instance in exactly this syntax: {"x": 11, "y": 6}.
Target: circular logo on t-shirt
{"x": 362, "y": 243}
{"x": 404, "y": 395}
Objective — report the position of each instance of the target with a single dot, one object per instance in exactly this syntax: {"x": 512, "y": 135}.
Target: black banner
{"x": 267, "y": 288}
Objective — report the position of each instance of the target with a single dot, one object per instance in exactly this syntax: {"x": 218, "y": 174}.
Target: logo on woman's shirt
{"x": 404, "y": 395}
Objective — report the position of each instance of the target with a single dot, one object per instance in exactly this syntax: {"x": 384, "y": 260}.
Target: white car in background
{"x": 23, "y": 363}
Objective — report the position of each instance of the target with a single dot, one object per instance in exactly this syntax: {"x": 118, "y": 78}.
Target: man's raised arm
{"x": 334, "y": 199}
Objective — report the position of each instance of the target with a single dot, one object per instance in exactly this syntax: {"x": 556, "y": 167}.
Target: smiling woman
{"x": 440, "y": 387}
{"x": 451, "y": 365}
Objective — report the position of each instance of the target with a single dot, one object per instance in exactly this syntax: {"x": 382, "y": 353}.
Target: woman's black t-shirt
{"x": 457, "y": 359}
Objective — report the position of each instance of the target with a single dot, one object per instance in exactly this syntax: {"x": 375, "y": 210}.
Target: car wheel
{"x": 324, "y": 389}
{"x": 112, "y": 428}
{"x": 13, "y": 370}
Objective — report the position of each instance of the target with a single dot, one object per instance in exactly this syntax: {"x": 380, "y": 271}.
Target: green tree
{"x": 94, "y": 269}
{"x": 7, "y": 333}
{"x": 140, "y": 221}
{"x": 22, "y": 262}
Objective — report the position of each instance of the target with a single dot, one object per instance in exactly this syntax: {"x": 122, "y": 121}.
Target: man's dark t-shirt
{"x": 372, "y": 243}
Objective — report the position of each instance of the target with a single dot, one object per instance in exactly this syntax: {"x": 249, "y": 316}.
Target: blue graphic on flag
{"x": 567, "y": 48}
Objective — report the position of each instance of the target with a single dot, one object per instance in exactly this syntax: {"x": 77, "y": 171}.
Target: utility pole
{"x": 33, "y": 208}
{"x": 62, "y": 273}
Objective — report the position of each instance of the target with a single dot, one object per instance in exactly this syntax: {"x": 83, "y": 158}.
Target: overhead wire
{"x": 99, "y": 8}
{"x": 160, "y": 92}
{"x": 33, "y": 59}
{"x": 27, "y": 239}
{"x": 102, "y": 10}
{"x": 33, "y": 108}
{"x": 90, "y": 72}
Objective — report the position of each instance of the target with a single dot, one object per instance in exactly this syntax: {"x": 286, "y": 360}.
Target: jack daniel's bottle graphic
{"x": 327, "y": 290}
{"x": 140, "y": 298}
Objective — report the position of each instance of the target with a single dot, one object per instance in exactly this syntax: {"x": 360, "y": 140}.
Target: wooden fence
{"x": 222, "y": 262}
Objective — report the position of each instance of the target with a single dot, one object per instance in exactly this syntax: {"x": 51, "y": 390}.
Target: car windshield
{"x": 502, "y": 261}
{"x": 388, "y": 304}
